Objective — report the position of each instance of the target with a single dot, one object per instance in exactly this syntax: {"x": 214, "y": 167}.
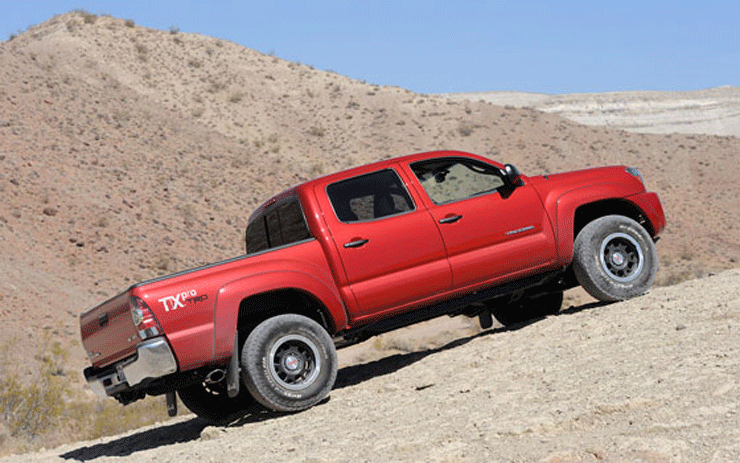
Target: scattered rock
{"x": 211, "y": 433}
{"x": 50, "y": 211}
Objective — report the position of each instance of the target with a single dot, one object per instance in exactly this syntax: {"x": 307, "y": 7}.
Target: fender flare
{"x": 565, "y": 211}
{"x": 230, "y": 296}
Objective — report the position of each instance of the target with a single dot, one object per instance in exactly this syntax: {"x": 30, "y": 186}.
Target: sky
{"x": 440, "y": 46}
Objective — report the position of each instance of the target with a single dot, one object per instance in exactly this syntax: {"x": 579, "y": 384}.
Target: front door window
{"x": 449, "y": 180}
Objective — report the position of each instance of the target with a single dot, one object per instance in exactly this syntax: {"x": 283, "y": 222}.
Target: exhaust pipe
{"x": 216, "y": 376}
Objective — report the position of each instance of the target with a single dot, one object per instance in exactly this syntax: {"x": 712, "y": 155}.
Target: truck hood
{"x": 558, "y": 184}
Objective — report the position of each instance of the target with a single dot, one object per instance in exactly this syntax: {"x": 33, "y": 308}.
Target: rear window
{"x": 280, "y": 224}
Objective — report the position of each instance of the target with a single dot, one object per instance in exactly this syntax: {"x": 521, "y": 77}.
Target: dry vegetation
{"x": 127, "y": 153}
{"x": 43, "y": 409}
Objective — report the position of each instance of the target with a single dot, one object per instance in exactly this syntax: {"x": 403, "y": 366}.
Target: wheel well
{"x": 592, "y": 211}
{"x": 258, "y": 308}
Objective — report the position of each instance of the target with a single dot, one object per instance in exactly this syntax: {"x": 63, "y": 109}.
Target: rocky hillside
{"x": 127, "y": 153}
{"x": 651, "y": 380}
{"x": 714, "y": 111}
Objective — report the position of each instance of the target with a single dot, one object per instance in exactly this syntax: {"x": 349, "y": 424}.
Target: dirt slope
{"x": 127, "y": 153}
{"x": 654, "y": 379}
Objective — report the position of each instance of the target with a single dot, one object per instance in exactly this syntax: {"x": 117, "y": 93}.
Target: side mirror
{"x": 513, "y": 175}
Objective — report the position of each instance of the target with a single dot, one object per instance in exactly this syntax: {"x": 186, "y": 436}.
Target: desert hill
{"x": 128, "y": 152}
{"x": 712, "y": 111}
{"x": 650, "y": 380}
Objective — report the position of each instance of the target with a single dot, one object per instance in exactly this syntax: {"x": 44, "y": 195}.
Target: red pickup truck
{"x": 347, "y": 256}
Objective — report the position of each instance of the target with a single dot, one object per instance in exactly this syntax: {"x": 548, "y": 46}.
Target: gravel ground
{"x": 654, "y": 379}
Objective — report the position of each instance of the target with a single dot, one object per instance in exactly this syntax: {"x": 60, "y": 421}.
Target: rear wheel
{"x": 211, "y": 402}
{"x": 614, "y": 258}
{"x": 289, "y": 363}
{"x": 528, "y": 308}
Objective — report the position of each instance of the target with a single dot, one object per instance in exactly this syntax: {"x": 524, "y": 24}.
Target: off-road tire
{"x": 614, "y": 258}
{"x": 289, "y": 363}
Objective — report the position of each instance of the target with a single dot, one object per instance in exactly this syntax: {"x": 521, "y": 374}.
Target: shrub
{"x": 29, "y": 410}
{"x": 42, "y": 411}
{"x": 129, "y": 23}
{"x": 142, "y": 51}
{"x": 465, "y": 129}
{"x": 317, "y": 131}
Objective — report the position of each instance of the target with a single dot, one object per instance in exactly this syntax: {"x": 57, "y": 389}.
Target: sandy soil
{"x": 654, "y": 379}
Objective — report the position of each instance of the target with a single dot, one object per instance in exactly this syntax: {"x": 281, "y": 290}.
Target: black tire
{"x": 212, "y": 403}
{"x": 528, "y": 308}
{"x": 289, "y": 363}
{"x": 614, "y": 258}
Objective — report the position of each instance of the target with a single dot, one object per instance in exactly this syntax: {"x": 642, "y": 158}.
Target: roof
{"x": 364, "y": 169}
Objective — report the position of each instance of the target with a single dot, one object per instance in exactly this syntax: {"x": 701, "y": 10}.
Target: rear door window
{"x": 369, "y": 197}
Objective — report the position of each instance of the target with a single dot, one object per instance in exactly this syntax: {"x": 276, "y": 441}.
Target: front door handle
{"x": 355, "y": 243}
{"x": 450, "y": 219}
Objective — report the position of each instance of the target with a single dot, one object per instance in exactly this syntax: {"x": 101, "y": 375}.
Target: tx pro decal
{"x": 179, "y": 300}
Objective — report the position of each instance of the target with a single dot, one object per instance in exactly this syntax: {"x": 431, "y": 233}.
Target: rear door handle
{"x": 356, "y": 243}
{"x": 450, "y": 219}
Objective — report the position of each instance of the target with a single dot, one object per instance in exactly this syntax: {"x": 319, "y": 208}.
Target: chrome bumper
{"x": 153, "y": 359}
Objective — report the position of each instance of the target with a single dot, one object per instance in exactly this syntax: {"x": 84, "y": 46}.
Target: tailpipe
{"x": 216, "y": 376}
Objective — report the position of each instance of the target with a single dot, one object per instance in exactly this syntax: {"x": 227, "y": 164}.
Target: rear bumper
{"x": 153, "y": 359}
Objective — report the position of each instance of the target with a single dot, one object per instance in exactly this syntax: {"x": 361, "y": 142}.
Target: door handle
{"x": 450, "y": 219}
{"x": 356, "y": 243}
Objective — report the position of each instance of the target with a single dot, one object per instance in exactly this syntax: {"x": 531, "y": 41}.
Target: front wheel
{"x": 289, "y": 363}
{"x": 614, "y": 258}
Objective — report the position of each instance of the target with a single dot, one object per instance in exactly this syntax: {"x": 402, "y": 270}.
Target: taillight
{"x": 144, "y": 319}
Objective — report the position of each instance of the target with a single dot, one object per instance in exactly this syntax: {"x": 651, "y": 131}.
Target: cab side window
{"x": 453, "y": 179}
{"x": 368, "y": 197}
{"x": 278, "y": 225}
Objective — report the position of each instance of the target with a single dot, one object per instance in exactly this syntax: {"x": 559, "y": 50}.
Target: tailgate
{"x": 108, "y": 331}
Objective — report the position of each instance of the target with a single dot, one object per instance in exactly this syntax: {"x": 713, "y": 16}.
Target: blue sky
{"x": 455, "y": 45}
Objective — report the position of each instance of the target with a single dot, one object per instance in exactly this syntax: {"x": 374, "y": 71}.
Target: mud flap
{"x": 232, "y": 376}
{"x": 485, "y": 319}
{"x": 171, "y": 403}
